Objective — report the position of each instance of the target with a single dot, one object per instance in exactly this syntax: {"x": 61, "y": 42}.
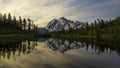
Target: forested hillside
{"x": 11, "y": 25}
{"x": 99, "y": 28}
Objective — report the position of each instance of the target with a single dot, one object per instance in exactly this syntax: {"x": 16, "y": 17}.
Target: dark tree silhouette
{"x": 24, "y": 23}
{"x": 9, "y": 24}
{"x": 20, "y": 22}
{"x": 29, "y": 24}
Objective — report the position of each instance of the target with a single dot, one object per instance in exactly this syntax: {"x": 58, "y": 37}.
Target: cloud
{"x": 42, "y": 11}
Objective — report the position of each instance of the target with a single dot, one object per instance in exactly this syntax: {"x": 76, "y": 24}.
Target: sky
{"x": 43, "y": 11}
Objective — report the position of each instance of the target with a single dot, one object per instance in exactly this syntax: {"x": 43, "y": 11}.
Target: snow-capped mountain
{"x": 63, "y": 24}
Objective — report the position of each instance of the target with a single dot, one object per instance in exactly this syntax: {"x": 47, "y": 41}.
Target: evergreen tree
{"x": 1, "y": 23}
{"x": 29, "y": 24}
{"x": 87, "y": 26}
{"x": 20, "y": 22}
{"x": 15, "y": 24}
{"x": 10, "y": 24}
{"x": 5, "y": 20}
{"x": 24, "y": 23}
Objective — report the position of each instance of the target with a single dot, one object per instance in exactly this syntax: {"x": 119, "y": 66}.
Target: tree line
{"x": 11, "y": 23}
{"x": 98, "y": 28}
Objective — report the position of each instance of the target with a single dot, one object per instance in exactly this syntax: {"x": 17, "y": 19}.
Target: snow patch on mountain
{"x": 63, "y": 24}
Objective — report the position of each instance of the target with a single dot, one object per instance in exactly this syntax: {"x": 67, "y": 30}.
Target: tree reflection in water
{"x": 10, "y": 48}
{"x": 98, "y": 46}
{"x": 17, "y": 47}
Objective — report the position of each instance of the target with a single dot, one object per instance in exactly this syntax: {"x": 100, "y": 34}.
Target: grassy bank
{"x": 71, "y": 36}
{"x": 18, "y": 35}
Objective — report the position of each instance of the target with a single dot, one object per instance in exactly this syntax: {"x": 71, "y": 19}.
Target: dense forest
{"x": 11, "y": 25}
{"x": 99, "y": 28}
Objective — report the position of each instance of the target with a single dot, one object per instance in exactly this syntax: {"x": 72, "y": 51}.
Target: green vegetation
{"x": 11, "y": 27}
{"x": 102, "y": 29}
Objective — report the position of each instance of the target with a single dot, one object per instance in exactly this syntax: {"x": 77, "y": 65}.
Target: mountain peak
{"x": 62, "y": 18}
{"x": 62, "y": 24}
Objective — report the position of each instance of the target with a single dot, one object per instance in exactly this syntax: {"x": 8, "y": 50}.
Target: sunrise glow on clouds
{"x": 42, "y": 11}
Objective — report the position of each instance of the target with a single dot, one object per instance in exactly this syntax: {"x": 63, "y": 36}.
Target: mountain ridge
{"x": 63, "y": 24}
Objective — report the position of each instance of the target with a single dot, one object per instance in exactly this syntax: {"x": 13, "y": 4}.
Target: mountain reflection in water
{"x": 59, "y": 53}
{"x": 63, "y": 45}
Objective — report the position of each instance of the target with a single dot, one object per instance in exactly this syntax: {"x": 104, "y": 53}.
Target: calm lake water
{"x": 59, "y": 53}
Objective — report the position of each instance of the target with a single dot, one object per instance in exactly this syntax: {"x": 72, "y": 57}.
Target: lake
{"x": 59, "y": 53}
